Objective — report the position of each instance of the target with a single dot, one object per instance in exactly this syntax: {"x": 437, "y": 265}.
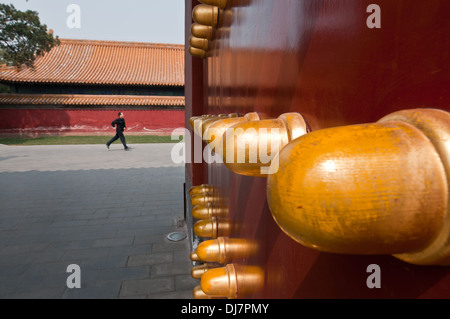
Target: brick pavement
{"x": 107, "y": 211}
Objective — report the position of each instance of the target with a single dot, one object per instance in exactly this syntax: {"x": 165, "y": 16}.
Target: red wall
{"x": 87, "y": 122}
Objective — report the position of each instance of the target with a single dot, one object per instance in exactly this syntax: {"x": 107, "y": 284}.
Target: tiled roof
{"x": 105, "y": 62}
{"x": 94, "y": 100}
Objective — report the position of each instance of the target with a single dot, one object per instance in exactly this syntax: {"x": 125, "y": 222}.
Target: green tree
{"x": 23, "y": 37}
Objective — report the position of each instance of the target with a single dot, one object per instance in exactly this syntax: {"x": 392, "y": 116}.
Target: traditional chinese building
{"x": 79, "y": 87}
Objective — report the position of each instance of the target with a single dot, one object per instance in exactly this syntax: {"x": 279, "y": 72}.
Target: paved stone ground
{"x": 107, "y": 211}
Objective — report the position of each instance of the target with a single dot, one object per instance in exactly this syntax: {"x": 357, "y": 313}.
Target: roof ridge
{"x": 14, "y": 95}
{"x": 122, "y": 43}
{"x": 91, "y": 100}
{"x": 104, "y": 62}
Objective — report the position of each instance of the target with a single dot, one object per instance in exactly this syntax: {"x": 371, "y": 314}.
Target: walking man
{"x": 120, "y": 127}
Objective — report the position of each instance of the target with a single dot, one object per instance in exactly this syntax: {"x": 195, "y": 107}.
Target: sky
{"x": 156, "y": 21}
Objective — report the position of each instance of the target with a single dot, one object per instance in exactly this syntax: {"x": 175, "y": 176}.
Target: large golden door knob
{"x": 380, "y": 188}
{"x": 196, "y": 52}
{"x": 200, "y": 43}
{"x": 232, "y": 281}
{"x": 201, "y": 189}
{"x": 213, "y": 132}
{"x": 203, "y": 199}
{"x": 206, "y": 15}
{"x": 223, "y": 249}
{"x": 208, "y": 211}
{"x": 202, "y": 31}
{"x": 212, "y": 228}
{"x": 248, "y": 148}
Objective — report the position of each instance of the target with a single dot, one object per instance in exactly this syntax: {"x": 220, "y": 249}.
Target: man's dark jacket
{"x": 119, "y": 123}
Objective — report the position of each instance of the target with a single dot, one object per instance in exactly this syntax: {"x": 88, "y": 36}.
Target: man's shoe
{"x": 127, "y": 148}
{"x": 107, "y": 146}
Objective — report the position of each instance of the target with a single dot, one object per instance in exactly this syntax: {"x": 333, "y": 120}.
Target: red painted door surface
{"x": 319, "y": 58}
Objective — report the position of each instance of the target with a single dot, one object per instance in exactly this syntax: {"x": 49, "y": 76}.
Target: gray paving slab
{"x": 108, "y": 211}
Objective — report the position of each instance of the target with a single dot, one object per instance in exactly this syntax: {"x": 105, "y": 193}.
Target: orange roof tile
{"x": 94, "y": 100}
{"x": 105, "y": 62}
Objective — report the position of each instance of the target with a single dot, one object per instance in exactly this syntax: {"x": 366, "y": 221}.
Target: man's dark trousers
{"x": 119, "y": 134}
